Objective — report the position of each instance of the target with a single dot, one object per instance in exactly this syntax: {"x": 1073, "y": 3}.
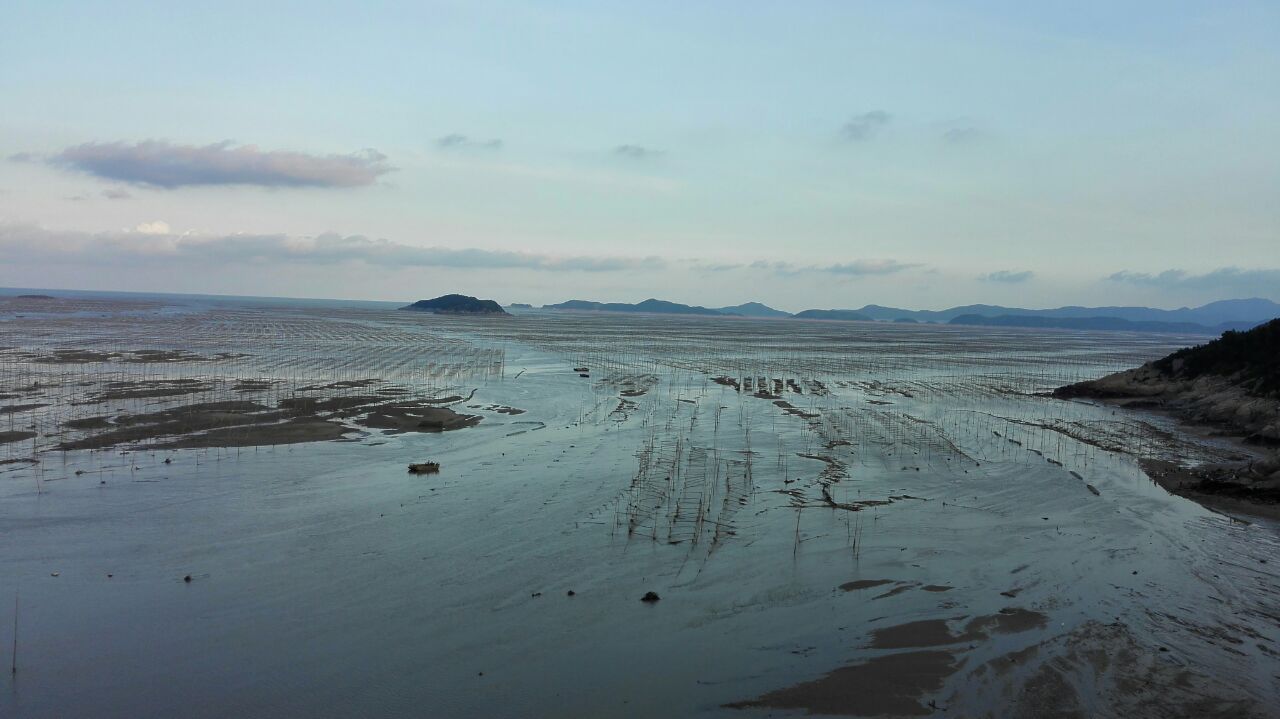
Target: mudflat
{"x": 843, "y": 519}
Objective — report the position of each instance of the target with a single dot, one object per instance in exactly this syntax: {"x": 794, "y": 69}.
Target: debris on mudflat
{"x": 650, "y": 597}
{"x": 424, "y": 468}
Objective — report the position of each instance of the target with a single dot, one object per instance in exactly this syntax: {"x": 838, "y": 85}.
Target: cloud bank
{"x": 865, "y": 126}
{"x": 855, "y": 268}
{"x": 154, "y": 242}
{"x": 456, "y": 141}
{"x": 1231, "y": 280}
{"x": 155, "y": 163}
{"x": 1008, "y": 276}
{"x": 636, "y": 152}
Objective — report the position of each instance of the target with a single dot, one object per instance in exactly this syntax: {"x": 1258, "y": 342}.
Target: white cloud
{"x": 865, "y": 126}
{"x": 156, "y": 163}
{"x": 159, "y": 227}
{"x": 155, "y": 242}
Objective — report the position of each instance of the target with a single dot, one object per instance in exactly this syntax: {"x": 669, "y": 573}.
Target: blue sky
{"x": 801, "y": 154}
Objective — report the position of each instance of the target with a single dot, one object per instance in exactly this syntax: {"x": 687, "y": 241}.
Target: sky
{"x": 805, "y": 155}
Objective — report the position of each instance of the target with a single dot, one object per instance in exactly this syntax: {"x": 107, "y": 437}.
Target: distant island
{"x": 753, "y": 309}
{"x": 1231, "y": 384}
{"x": 649, "y": 306}
{"x": 843, "y": 315}
{"x": 457, "y": 305}
{"x": 519, "y": 306}
{"x": 1210, "y": 319}
{"x": 1113, "y": 324}
{"x": 1255, "y": 310}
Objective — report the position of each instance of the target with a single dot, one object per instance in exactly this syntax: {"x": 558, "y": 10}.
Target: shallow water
{"x": 328, "y": 582}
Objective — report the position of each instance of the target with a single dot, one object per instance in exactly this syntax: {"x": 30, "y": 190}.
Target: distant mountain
{"x": 1213, "y": 318}
{"x": 1255, "y": 310}
{"x": 457, "y": 305}
{"x": 651, "y": 306}
{"x": 892, "y": 314}
{"x": 752, "y": 309}
{"x": 846, "y": 315}
{"x": 1098, "y": 323}
{"x": 1251, "y": 311}
{"x": 1210, "y": 316}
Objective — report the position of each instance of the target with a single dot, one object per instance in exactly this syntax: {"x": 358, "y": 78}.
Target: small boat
{"x": 424, "y": 468}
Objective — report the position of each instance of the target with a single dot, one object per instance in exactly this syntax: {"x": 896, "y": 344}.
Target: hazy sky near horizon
{"x": 812, "y": 154}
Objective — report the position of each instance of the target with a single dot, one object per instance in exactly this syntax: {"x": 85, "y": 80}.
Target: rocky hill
{"x": 1231, "y": 384}
{"x": 457, "y": 305}
{"x": 753, "y": 309}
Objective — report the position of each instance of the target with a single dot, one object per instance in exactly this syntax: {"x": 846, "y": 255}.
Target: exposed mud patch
{"x": 296, "y": 431}
{"x": 414, "y": 418}
{"x": 15, "y": 408}
{"x": 15, "y": 436}
{"x": 892, "y": 684}
{"x": 243, "y": 423}
{"x": 864, "y": 584}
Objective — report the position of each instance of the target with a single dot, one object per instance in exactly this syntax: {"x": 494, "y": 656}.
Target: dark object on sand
{"x": 650, "y": 597}
{"x": 457, "y": 305}
{"x": 424, "y": 468}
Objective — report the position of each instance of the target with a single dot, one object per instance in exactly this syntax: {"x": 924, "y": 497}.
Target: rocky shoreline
{"x": 1226, "y": 386}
